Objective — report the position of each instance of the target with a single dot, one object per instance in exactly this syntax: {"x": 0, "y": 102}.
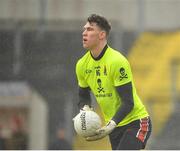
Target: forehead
{"x": 90, "y": 25}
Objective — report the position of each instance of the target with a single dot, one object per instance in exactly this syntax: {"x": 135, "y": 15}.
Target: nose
{"x": 84, "y": 33}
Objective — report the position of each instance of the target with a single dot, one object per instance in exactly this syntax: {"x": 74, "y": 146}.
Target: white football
{"x": 86, "y": 123}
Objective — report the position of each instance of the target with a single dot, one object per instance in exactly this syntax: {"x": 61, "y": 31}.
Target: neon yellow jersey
{"x": 102, "y": 76}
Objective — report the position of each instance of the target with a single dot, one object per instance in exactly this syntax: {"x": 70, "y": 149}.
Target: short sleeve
{"x": 80, "y": 75}
{"x": 121, "y": 72}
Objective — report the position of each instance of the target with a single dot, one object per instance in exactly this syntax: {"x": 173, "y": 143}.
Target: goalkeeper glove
{"x": 102, "y": 132}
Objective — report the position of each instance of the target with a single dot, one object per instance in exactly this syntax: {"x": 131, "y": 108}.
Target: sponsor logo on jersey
{"x": 104, "y": 95}
{"x": 88, "y": 71}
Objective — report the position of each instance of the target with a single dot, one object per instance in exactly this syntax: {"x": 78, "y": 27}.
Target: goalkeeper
{"x": 107, "y": 74}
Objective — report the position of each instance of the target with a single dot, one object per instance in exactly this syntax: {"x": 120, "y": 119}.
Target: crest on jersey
{"x": 98, "y": 70}
{"x": 100, "y": 88}
{"x": 123, "y": 74}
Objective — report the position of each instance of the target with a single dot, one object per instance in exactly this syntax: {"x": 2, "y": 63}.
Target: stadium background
{"x": 40, "y": 42}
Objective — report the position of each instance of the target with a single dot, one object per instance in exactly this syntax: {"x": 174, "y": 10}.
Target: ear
{"x": 102, "y": 35}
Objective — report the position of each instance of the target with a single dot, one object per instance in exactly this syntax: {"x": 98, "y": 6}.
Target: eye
{"x": 89, "y": 29}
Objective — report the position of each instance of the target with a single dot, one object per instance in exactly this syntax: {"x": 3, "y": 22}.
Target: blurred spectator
{"x": 60, "y": 143}
{"x": 2, "y": 140}
{"x": 19, "y": 138}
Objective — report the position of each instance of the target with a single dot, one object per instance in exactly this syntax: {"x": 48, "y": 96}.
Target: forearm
{"x": 123, "y": 111}
{"x": 127, "y": 102}
{"x": 84, "y": 97}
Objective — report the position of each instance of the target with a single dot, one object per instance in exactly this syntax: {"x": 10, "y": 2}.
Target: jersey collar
{"x": 101, "y": 54}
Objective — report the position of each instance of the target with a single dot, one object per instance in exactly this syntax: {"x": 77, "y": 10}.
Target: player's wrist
{"x": 112, "y": 124}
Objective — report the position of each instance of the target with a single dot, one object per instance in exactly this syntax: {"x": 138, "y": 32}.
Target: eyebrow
{"x": 89, "y": 27}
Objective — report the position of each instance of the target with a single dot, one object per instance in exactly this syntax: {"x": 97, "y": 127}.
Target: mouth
{"x": 84, "y": 40}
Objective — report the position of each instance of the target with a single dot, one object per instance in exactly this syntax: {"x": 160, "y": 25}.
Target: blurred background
{"x": 40, "y": 43}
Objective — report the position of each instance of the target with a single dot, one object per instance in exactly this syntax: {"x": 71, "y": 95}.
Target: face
{"x": 92, "y": 35}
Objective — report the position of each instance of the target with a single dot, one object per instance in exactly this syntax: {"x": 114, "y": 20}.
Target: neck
{"x": 97, "y": 50}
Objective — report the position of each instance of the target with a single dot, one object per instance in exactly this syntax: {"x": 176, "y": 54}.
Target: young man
{"x": 107, "y": 74}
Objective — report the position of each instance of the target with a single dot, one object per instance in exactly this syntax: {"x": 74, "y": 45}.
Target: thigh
{"x": 136, "y": 135}
{"x": 115, "y": 137}
{"x": 129, "y": 141}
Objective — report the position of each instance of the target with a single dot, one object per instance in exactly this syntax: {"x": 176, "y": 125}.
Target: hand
{"x": 86, "y": 108}
{"x": 102, "y": 132}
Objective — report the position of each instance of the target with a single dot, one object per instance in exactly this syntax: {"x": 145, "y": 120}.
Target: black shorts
{"x": 133, "y": 136}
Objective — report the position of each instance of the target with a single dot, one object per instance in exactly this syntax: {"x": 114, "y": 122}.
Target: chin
{"x": 85, "y": 46}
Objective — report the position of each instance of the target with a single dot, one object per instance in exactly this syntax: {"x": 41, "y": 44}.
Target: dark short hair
{"x": 100, "y": 21}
